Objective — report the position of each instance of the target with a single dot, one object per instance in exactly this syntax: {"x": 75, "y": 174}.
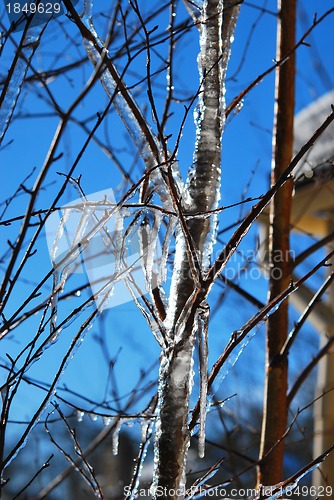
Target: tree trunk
{"x": 275, "y": 397}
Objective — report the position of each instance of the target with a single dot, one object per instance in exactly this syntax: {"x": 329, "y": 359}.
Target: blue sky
{"x": 246, "y": 146}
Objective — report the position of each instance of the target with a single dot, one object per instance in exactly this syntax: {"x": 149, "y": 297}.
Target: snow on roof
{"x": 318, "y": 164}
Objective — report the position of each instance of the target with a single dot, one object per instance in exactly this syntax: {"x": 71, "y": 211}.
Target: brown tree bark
{"x": 276, "y": 380}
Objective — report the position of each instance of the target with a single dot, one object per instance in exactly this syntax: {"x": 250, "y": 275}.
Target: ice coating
{"x": 205, "y": 175}
{"x": 162, "y": 274}
{"x": 202, "y": 325}
{"x": 146, "y": 434}
{"x": 175, "y": 383}
{"x": 75, "y": 344}
{"x": 194, "y": 246}
{"x": 115, "y": 436}
{"x": 151, "y": 249}
{"x": 95, "y": 236}
{"x": 136, "y": 125}
{"x": 11, "y": 92}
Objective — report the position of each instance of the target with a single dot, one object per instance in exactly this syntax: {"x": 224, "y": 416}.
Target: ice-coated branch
{"x": 261, "y": 315}
{"x": 17, "y": 72}
{"x": 202, "y": 194}
{"x": 204, "y": 178}
{"x": 143, "y": 137}
{"x": 257, "y": 209}
{"x": 202, "y": 325}
{"x": 85, "y": 470}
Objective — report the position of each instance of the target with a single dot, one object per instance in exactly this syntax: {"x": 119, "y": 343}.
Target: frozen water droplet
{"x": 106, "y": 420}
{"x": 54, "y": 338}
{"x": 93, "y": 417}
{"x": 239, "y": 106}
{"x": 80, "y": 415}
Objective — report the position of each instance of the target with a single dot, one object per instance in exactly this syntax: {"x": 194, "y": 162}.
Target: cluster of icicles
{"x": 117, "y": 422}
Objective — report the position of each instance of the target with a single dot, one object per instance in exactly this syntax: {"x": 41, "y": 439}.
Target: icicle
{"x": 155, "y": 328}
{"x": 119, "y": 227}
{"x": 77, "y": 451}
{"x": 85, "y": 230}
{"x": 239, "y": 106}
{"x": 180, "y": 250}
{"x": 93, "y": 416}
{"x": 60, "y": 231}
{"x": 144, "y": 242}
{"x": 115, "y": 436}
{"x": 144, "y": 447}
{"x": 152, "y": 249}
{"x": 24, "y": 443}
{"x": 162, "y": 274}
{"x": 204, "y": 177}
{"x": 202, "y": 323}
{"x": 54, "y": 337}
{"x": 144, "y": 426}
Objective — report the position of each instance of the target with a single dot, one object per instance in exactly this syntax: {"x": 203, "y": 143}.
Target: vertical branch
{"x": 275, "y": 397}
{"x": 143, "y": 137}
{"x": 204, "y": 178}
{"x": 203, "y": 191}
